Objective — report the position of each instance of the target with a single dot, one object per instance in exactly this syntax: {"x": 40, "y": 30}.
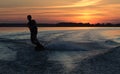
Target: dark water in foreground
{"x": 70, "y": 50}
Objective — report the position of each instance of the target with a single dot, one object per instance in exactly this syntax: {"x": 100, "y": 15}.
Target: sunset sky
{"x": 53, "y": 11}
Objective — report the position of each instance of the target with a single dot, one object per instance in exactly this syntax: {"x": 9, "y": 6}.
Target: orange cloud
{"x": 81, "y": 3}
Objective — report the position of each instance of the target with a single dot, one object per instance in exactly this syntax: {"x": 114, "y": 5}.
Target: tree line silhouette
{"x": 62, "y": 24}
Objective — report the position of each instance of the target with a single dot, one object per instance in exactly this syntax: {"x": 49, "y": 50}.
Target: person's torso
{"x": 32, "y": 26}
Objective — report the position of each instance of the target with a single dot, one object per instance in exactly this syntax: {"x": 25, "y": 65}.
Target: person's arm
{"x": 34, "y": 22}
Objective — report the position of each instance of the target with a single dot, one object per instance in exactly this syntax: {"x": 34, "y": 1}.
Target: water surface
{"x": 70, "y": 50}
{"x": 25, "y": 29}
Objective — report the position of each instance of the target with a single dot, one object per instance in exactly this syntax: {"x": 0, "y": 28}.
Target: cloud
{"x": 86, "y": 3}
{"x": 81, "y": 3}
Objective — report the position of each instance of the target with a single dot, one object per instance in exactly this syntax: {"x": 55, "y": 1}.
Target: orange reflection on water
{"x": 111, "y": 33}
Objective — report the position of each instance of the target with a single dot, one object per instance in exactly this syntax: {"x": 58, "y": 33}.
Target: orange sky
{"x": 54, "y": 11}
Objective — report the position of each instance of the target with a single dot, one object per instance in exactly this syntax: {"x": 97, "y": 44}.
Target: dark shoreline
{"x": 61, "y": 25}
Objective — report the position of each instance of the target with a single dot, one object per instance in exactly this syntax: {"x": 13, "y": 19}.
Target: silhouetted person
{"x": 33, "y": 30}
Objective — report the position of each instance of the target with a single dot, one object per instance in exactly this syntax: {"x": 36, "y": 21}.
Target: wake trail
{"x": 69, "y": 52}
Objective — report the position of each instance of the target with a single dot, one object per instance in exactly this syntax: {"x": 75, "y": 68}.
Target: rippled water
{"x": 76, "y": 50}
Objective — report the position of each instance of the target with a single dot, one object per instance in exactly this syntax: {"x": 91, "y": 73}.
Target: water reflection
{"x": 25, "y": 29}
{"x": 111, "y": 34}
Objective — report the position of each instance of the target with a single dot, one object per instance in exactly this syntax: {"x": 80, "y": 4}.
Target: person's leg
{"x": 32, "y": 39}
{"x": 35, "y": 41}
{"x": 38, "y": 43}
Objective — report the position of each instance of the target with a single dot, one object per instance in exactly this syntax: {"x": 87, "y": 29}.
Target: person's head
{"x": 29, "y": 17}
